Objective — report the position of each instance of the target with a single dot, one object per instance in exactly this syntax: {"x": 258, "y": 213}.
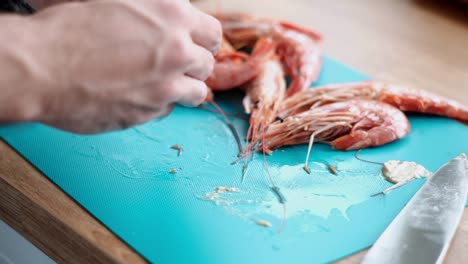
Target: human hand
{"x": 110, "y": 64}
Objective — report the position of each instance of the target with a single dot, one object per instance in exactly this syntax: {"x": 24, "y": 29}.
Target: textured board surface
{"x": 123, "y": 179}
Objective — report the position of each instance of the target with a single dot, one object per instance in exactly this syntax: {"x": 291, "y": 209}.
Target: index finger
{"x": 207, "y": 32}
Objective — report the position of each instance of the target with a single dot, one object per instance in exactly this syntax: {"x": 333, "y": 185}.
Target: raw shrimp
{"x": 265, "y": 92}
{"x": 263, "y": 97}
{"x": 420, "y": 101}
{"x": 299, "y": 48}
{"x": 233, "y": 68}
{"x": 403, "y": 98}
{"x": 348, "y": 125}
{"x": 302, "y": 56}
{"x": 244, "y": 30}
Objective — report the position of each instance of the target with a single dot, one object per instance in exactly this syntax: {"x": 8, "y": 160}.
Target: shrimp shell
{"x": 421, "y": 101}
{"x": 404, "y": 98}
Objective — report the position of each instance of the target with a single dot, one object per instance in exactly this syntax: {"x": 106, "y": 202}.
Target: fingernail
{"x": 216, "y": 49}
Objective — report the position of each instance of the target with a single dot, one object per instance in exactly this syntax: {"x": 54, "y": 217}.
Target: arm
{"x": 105, "y": 65}
{"x": 21, "y": 81}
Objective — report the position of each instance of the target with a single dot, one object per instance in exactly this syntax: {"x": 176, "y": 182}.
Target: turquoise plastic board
{"x": 124, "y": 180}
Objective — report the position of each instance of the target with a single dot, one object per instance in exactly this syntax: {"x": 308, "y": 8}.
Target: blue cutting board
{"x": 124, "y": 180}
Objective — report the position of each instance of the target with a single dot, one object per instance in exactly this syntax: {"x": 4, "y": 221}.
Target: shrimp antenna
{"x": 311, "y": 142}
{"x": 274, "y": 187}
{"x": 246, "y": 163}
{"x": 368, "y": 161}
{"x": 394, "y": 187}
{"x": 209, "y": 109}
{"x": 228, "y": 122}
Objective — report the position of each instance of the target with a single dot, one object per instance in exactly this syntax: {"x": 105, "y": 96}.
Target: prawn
{"x": 298, "y": 47}
{"x": 404, "y": 98}
{"x": 265, "y": 92}
{"x": 347, "y": 125}
{"x": 263, "y": 96}
{"x": 421, "y": 101}
{"x": 232, "y": 68}
{"x": 302, "y": 57}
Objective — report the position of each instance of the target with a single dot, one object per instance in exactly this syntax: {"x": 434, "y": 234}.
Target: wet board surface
{"x": 124, "y": 179}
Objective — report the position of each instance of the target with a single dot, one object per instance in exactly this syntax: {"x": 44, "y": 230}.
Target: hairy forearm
{"x": 22, "y": 77}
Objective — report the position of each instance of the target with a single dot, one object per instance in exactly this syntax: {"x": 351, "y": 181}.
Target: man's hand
{"x": 109, "y": 64}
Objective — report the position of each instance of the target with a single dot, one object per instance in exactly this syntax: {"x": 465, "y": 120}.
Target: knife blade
{"x": 422, "y": 231}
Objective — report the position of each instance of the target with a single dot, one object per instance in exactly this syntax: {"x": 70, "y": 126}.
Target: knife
{"x": 422, "y": 231}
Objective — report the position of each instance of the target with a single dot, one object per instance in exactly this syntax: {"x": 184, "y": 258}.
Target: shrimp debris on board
{"x": 178, "y": 148}
{"x": 263, "y": 223}
{"x": 402, "y": 173}
{"x": 332, "y": 169}
{"x": 396, "y": 171}
{"x": 222, "y": 189}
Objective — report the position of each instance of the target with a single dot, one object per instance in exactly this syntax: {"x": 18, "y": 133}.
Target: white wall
{"x": 14, "y": 249}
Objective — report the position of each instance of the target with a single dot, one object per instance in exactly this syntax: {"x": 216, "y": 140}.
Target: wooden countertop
{"x": 421, "y": 44}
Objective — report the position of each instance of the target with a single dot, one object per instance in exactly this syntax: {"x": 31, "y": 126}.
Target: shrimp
{"x": 347, "y": 125}
{"x": 243, "y": 30}
{"x": 233, "y": 68}
{"x": 421, "y": 101}
{"x": 302, "y": 56}
{"x": 378, "y": 124}
{"x": 299, "y": 48}
{"x": 403, "y": 98}
{"x": 262, "y": 100}
{"x": 265, "y": 92}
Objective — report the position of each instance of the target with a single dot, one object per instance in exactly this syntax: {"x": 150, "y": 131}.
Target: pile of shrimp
{"x": 347, "y": 116}
{"x": 259, "y": 54}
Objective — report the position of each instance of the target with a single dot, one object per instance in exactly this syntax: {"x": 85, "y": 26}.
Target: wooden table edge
{"x": 51, "y": 220}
